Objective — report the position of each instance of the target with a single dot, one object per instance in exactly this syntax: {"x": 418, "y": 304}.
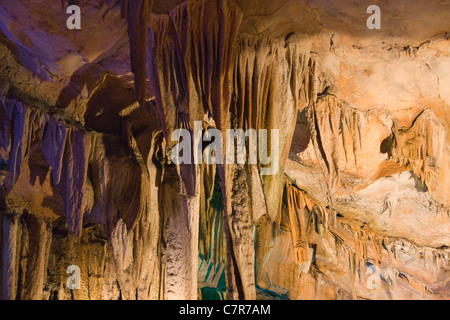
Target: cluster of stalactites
{"x": 191, "y": 55}
{"x": 65, "y": 148}
{"x": 421, "y": 146}
{"x": 69, "y": 151}
{"x": 212, "y": 237}
{"x": 388, "y": 255}
{"x": 198, "y": 65}
{"x": 137, "y": 13}
{"x": 341, "y": 134}
{"x": 356, "y": 249}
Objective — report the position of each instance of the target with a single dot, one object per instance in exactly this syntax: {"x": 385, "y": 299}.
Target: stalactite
{"x": 270, "y": 73}
{"x": 184, "y": 66}
{"x": 180, "y": 233}
{"x": 239, "y": 233}
{"x": 148, "y": 233}
{"x": 14, "y": 140}
{"x": 36, "y": 256}
{"x": 192, "y": 75}
{"x": 137, "y": 13}
{"x": 63, "y": 148}
{"x": 117, "y": 206}
{"x": 213, "y": 236}
{"x": 339, "y": 133}
{"x": 122, "y": 248}
{"x": 213, "y": 255}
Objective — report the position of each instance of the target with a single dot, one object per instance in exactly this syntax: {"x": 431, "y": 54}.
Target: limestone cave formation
{"x": 358, "y": 207}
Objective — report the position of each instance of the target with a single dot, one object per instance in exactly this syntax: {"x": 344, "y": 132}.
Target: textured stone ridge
{"x": 359, "y": 208}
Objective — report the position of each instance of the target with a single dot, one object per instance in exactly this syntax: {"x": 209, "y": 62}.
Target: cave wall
{"x": 359, "y": 207}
